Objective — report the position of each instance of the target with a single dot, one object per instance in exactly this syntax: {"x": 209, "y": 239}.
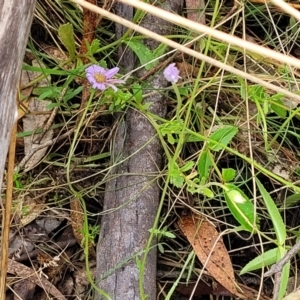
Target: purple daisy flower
{"x": 101, "y": 78}
{"x": 171, "y": 73}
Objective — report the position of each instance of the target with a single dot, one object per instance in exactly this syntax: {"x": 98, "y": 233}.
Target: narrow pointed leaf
{"x": 274, "y": 214}
{"x": 267, "y": 258}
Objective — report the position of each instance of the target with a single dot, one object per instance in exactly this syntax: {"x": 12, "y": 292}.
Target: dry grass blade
{"x": 242, "y": 43}
{"x": 295, "y": 5}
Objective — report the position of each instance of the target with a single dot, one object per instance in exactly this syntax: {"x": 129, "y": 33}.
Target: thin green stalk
{"x": 79, "y": 196}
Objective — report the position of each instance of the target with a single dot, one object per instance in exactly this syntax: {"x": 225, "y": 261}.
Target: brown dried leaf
{"x": 54, "y": 52}
{"x": 210, "y": 250}
{"x": 33, "y": 210}
{"x": 77, "y": 221}
{"x": 35, "y": 120}
{"x": 58, "y": 55}
{"x": 187, "y": 70}
{"x": 209, "y": 288}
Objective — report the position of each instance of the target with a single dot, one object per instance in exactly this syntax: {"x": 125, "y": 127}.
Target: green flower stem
{"x": 79, "y": 196}
{"x": 179, "y": 101}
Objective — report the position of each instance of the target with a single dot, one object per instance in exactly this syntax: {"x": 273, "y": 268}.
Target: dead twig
{"x": 277, "y": 268}
{"x": 29, "y": 274}
{"x": 7, "y": 211}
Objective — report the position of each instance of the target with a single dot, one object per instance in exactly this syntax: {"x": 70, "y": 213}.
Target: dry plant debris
{"x": 210, "y": 249}
{"x": 77, "y": 221}
{"x": 35, "y": 120}
{"x": 219, "y": 94}
{"x": 27, "y": 273}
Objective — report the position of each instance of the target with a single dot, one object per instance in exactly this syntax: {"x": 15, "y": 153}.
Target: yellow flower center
{"x": 100, "y": 78}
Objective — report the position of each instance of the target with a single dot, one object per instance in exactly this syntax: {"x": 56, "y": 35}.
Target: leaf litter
{"x": 210, "y": 249}
{"x": 212, "y": 253}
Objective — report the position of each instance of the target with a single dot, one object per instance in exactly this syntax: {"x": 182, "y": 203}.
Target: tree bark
{"x": 15, "y": 22}
{"x": 132, "y": 192}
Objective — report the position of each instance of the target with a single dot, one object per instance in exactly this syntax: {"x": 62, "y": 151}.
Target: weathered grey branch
{"x": 132, "y": 194}
{"x": 15, "y": 22}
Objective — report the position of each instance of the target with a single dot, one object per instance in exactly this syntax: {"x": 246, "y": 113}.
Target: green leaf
{"x": 284, "y": 274}
{"x": 52, "y": 105}
{"x": 161, "y": 248}
{"x": 241, "y": 207}
{"x": 228, "y": 174}
{"x": 294, "y": 26}
{"x": 243, "y": 92}
{"x": 160, "y": 50}
{"x": 278, "y": 106}
{"x": 174, "y": 126}
{"x": 208, "y": 193}
{"x": 184, "y": 91}
{"x": 191, "y": 138}
{"x": 188, "y": 166}
{"x": 171, "y": 139}
{"x": 70, "y": 94}
{"x": 50, "y": 92}
{"x": 103, "y": 64}
{"x": 143, "y": 53}
{"x": 223, "y": 136}
{"x": 138, "y": 93}
{"x": 66, "y": 35}
{"x": 273, "y": 213}
{"x": 291, "y": 201}
{"x": 138, "y": 263}
{"x": 169, "y": 235}
{"x": 94, "y": 47}
{"x": 176, "y": 176}
{"x": 257, "y": 93}
{"x": 204, "y": 164}
{"x": 267, "y": 258}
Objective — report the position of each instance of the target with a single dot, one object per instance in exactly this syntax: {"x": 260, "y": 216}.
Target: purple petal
{"x": 99, "y": 86}
{"x": 171, "y": 73}
{"x": 95, "y": 69}
{"x": 112, "y": 86}
{"x": 110, "y": 73}
{"x": 114, "y": 81}
{"x": 90, "y": 77}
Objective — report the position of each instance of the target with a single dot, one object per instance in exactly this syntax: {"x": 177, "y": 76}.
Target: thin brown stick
{"x": 7, "y": 211}
{"x": 277, "y": 268}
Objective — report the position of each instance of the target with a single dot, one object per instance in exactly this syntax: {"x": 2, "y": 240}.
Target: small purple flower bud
{"x": 171, "y": 73}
